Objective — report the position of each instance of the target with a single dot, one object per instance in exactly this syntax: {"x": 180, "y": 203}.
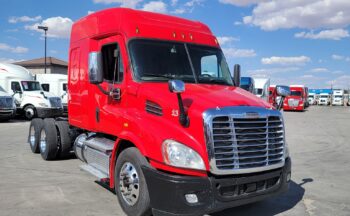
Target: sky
{"x": 289, "y": 41}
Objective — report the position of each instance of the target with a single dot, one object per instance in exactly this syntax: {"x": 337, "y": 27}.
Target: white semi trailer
{"x": 262, "y": 88}
{"x": 29, "y": 97}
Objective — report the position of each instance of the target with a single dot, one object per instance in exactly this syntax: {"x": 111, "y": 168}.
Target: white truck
{"x": 7, "y": 105}
{"x": 338, "y": 98}
{"x": 262, "y": 88}
{"x": 312, "y": 99}
{"x": 29, "y": 97}
{"x": 56, "y": 84}
{"x": 324, "y": 99}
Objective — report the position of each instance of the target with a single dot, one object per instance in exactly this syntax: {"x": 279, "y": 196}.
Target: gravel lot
{"x": 319, "y": 142}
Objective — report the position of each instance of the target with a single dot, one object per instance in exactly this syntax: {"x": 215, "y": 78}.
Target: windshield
{"x": 162, "y": 61}
{"x": 338, "y": 96}
{"x": 324, "y": 96}
{"x": 31, "y": 86}
{"x": 295, "y": 93}
{"x": 258, "y": 91}
{"x": 311, "y": 96}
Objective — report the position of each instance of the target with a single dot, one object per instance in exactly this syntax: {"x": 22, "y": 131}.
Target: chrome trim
{"x": 244, "y": 112}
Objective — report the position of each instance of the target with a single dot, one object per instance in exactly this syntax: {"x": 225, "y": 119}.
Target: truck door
{"x": 109, "y": 100}
{"x": 17, "y": 92}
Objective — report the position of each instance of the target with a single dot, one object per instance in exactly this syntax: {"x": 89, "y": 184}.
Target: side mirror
{"x": 95, "y": 68}
{"x": 283, "y": 91}
{"x": 237, "y": 75}
{"x": 176, "y": 86}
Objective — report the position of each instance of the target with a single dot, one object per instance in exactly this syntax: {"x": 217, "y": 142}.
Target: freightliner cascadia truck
{"x": 154, "y": 113}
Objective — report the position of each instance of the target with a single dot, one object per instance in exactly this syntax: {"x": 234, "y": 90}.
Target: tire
{"x": 140, "y": 206}
{"x": 65, "y": 144}
{"x": 48, "y": 140}
{"x": 30, "y": 112}
{"x": 34, "y": 134}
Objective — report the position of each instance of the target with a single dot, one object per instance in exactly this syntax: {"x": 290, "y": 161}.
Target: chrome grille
{"x": 55, "y": 102}
{"x": 293, "y": 102}
{"x": 6, "y": 102}
{"x": 239, "y": 143}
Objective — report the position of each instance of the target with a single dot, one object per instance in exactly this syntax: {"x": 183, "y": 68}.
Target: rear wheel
{"x": 34, "y": 134}
{"x": 49, "y": 140}
{"x": 29, "y": 112}
{"x": 130, "y": 183}
{"x": 65, "y": 145}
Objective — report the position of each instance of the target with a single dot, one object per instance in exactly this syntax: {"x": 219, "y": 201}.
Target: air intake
{"x": 153, "y": 108}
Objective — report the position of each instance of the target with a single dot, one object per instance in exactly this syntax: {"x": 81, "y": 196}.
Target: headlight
{"x": 179, "y": 155}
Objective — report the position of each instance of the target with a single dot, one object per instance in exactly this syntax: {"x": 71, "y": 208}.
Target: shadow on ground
{"x": 271, "y": 206}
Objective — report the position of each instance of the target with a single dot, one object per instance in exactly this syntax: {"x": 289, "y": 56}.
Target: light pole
{"x": 45, "y": 28}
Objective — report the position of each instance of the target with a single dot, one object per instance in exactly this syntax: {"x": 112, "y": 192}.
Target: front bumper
{"x": 49, "y": 112}
{"x": 7, "y": 113}
{"x": 167, "y": 191}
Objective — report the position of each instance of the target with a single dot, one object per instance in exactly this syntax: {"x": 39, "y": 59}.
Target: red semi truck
{"x": 297, "y": 100}
{"x": 155, "y": 114}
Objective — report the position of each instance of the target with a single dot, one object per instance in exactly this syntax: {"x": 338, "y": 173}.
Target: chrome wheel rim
{"x": 129, "y": 183}
{"x": 32, "y": 136}
{"x": 42, "y": 141}
{"x": 29, "y": 113}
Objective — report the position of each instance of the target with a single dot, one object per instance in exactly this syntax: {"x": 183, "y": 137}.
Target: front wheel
{"x": 29, "y": 112}
{"x": 130, "y": 183}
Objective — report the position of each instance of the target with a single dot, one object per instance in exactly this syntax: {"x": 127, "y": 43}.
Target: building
{"x": 37, "y": 66}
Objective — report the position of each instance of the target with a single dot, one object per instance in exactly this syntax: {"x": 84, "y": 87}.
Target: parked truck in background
{"x": 324, "y": 99}
{"x": 7, "y": 105}
{"x": 155, "y": 114}
{"x": 312, "y": 99}
{"x": 55, "y": 84}
{"x": 29, "y": 97}
{"x": 296, "y": 99}
{"x": 247, "y": 83}
{"x": 262, "y": 88}
{"x": 338, "y": 98}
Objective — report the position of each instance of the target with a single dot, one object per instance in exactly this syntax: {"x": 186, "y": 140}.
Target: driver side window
{"x": 15, "y": 87}
{"x": 113, "y": 69}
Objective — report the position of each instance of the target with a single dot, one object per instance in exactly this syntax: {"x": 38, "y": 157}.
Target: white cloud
{"x": 334, "y": 34}
{"x": 10, "y": 60}
{"x": 311, "y": 14}
{"x": 155, "y": 6}
{"x": 174, "y": 2}
{"x": 237, "y": 23}
{"x": 59, "y": 27}
{"x": 296, "y": 60}
{"x": 319, "y": 70}
{"x": 90, "y": 12}
{"x": 340, "y": 82}
{"x": 270, "y": 71}
{"x": 17, "y": 49}
{"x": 225, "y": 40}
{"x": 340, "y": 57}
{"x": 238, "y": 53}
{"x": 241, "y": 2}
{"x": 24, "y": 19}
{"x": 187, "y": 7}
{"x": 122, "y": 3}
{"x": 307, "y": 76}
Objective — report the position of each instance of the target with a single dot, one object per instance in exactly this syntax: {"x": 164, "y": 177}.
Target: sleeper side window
{"x": 113, "y": 69}
{"x": 46, "y": 87}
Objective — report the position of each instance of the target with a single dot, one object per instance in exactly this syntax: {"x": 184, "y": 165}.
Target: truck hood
{"x": 4, "y": 94}
{"x": 38, "y": 93}
{"x": 201, "y": 97}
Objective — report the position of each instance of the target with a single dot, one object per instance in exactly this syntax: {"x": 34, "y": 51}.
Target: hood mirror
{"x": 176, "y": 86}
{"x": 283, "y": 91}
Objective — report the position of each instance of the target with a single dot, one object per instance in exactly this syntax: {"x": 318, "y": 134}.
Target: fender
{"x": 124, "y": 136}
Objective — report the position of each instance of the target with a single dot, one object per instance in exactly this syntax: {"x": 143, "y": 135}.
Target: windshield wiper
{"x": 158, "y": 76}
